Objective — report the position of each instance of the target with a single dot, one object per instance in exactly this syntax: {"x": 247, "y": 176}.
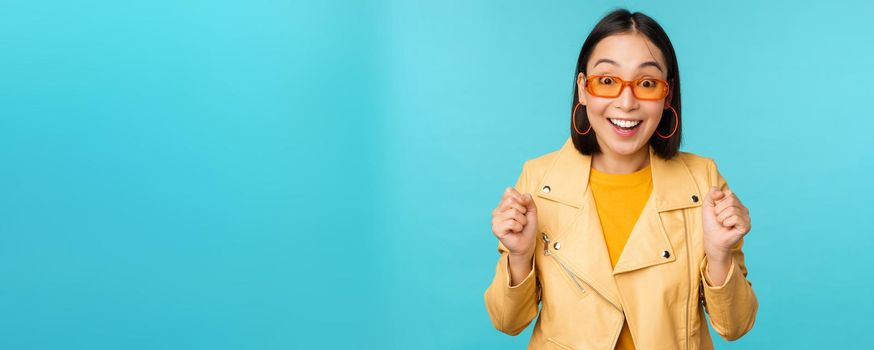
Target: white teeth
{"x": 625, "y": 123}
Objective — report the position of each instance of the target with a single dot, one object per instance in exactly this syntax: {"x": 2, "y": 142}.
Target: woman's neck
{"x": 614, "y": 163}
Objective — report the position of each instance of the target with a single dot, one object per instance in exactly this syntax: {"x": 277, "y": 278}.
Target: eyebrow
{"x": 644, "y": 64}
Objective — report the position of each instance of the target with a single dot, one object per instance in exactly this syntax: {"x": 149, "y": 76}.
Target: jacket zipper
{"x": 573, "y": 278}
{"x": 569, "y": 273}
{"x": 689, "y": 278}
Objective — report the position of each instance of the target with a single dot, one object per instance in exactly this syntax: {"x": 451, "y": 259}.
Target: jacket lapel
{"x": 583, "y": 245}
{"x": 673, "y": 188}
{"x": 568, "y": 177}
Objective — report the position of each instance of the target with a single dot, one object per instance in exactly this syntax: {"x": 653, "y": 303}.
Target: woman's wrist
{"x": 520, "y": 259}
{"x": 520, "y": 266}
{"x": 718, "y": 257}
{"x": 718, "y": 265}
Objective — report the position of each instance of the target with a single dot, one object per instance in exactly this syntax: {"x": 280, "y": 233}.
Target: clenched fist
{"x": 514, "y": 222}
{"x": 725, "y": 219}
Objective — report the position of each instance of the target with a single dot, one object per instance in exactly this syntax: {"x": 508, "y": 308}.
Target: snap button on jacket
{"x": 658, "y": 284}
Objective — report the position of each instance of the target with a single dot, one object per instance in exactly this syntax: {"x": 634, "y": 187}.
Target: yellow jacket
{"x": 658, "y": 281}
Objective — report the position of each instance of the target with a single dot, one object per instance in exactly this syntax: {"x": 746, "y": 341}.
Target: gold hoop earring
{"x": 574, "y": 121}
{"x": 676, "y": 124}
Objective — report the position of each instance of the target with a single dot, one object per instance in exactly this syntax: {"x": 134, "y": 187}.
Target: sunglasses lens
{"x": 605, "y": 86}
{"x": 650, "y": 89}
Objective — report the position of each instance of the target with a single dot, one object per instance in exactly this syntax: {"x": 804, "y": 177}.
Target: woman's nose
{"x": 626, "y": 100}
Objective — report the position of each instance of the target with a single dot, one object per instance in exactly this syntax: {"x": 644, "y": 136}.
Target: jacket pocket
{"x": 572, "y": 279}
{"x": 575, "y": 283}
{"x": 552, "y": 344}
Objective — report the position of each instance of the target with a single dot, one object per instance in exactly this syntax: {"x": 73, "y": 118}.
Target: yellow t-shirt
{"x": 619, "y": 199}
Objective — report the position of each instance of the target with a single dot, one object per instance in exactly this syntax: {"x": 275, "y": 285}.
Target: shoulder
{"x": 538, "y": 165}
{"x": 702, "y": 168}
{"x": 695, "y": 161}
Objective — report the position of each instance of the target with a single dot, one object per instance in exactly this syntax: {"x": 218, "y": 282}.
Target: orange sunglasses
{"x": 643, "y": 89}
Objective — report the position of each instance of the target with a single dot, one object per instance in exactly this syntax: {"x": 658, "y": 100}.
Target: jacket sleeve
{"x": 512, "y": 308}
{"x": 733, "y": 305}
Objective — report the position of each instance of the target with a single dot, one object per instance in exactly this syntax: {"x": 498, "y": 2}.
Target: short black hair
{"x": 618, "y": 22}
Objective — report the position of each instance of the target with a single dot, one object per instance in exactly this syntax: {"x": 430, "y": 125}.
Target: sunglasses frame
{"x": 590, "y": 79}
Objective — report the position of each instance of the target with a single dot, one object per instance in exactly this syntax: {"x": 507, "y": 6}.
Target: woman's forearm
{"x": 717, "y": 268}
{"x": 520, "y": 267}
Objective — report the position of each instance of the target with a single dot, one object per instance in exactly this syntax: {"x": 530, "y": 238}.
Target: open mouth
{"x": 625, "y": 124}
{"x": 625, "y": 127}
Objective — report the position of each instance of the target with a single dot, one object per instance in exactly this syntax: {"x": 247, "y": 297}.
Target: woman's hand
{"x": 726, "y": 220}
{"x": 514, "y": 222}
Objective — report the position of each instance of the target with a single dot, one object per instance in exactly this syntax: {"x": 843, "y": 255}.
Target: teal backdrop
{"x": 306, "y": 175}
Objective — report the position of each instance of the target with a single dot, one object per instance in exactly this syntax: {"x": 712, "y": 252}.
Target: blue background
{"x": 275, "y": 175}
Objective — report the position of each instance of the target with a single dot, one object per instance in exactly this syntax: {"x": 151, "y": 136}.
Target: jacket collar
{"x": 568, "y": 180}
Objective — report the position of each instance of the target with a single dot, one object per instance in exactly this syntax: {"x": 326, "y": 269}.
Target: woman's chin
{"x": 625, "y": 147}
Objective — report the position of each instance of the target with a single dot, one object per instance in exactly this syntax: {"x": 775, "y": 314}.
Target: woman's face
{"x": 628, "y": 57}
